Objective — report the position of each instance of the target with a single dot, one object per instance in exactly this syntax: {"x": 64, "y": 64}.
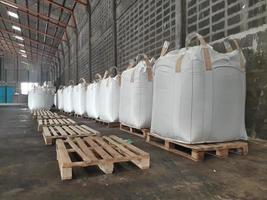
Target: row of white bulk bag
{"x": 92, "y": 98}
{"x": 109, "y": 98}
{"x": 199, "y": 95}
{"x": 79, "y": 94}
{"x": 40, "y": 98}
{"x": 136, "y": 94}
{"x": 68, "y": 98}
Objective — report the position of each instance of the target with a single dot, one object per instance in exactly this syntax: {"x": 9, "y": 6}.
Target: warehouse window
{"x": 26, "y": 87}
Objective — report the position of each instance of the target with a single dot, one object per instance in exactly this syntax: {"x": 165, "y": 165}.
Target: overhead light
{"x": 24, "y": 55}
{"x": 23, "y": 51}
{"x": 12, "y": 14}
{"x": 18, "y": 37}
{"x": 8, "y": 4}
{"x": 16, "y": 28}
{"x": 22, "y": 45}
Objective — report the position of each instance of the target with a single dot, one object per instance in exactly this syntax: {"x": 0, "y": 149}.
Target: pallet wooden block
{"x": 197, "y": 152}
{"x": 51, "y": 133}
{"x": 109, "y": 124}
{"x": 97, "y": 151}
{"x": 54, "y": 122}
{"x": 138, "y": 132}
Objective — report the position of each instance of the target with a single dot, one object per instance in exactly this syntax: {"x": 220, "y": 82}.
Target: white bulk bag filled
{"x": 79, "y": 94}
{"x": 40, "y": 98}
{"x": 92, "y": 100}
{"x": 109, "y": 98}
{"x": 199, "y": 95}
{"x": 68, "y": 99}
{"x": 56, "y": 99}
{"x": 60, "y": 99}
{"x": 136, "y": 96}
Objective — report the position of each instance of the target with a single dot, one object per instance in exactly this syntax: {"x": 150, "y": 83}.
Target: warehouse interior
{"x": 53, "y": 45}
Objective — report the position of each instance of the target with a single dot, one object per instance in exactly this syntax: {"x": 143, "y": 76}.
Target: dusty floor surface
{"x": 29, "y": 170}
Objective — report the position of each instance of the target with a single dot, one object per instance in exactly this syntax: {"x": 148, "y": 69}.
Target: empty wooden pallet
{"x": 134, "y": 131}
{"x": 54, "y": 116}
{"x": 97, "y": 151}
{"x": 54, "y": 122}
{"x": 197, "y": 152}
{"x": 37, "y": 113}
{"x": 51, "y": 133}
{"x": 109, "y": 124}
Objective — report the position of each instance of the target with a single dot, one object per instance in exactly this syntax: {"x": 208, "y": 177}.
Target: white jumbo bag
{"x": 136, "y": 94}
{"x": 60, "y": 98}
{"x": 109, "y": 98}
{"x": 56, "y": 99}
{"x": 199, "y": 95}
{"x": 40, "y": 98}
{"x": 80, "y": 93}
{"x": 92, "y": 98}
{"x": 68, "y": 98}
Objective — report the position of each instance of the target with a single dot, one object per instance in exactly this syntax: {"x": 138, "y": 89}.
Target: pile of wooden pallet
{"x": 82, "y": 146}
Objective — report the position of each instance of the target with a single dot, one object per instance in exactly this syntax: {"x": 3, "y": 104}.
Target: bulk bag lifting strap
{"x": 148, "y": 63}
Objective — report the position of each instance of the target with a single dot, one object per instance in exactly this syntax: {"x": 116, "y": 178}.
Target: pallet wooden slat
{"x": 54, "y": 122}
{"x": 51, "y": 133}
{"x": 99, "y": 151}
{"x": 197, "y": 152}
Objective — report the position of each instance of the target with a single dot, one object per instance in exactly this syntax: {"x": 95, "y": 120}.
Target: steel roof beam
{"x": 19, "y": 47}
{"x": 27, "y": 38}
{"x": 8, "y": 40}
{"x": 59, "y": 6}
{"x": 37, "y": 15}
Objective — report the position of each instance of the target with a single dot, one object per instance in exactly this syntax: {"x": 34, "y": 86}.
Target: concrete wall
{"x": 120, "y": 30}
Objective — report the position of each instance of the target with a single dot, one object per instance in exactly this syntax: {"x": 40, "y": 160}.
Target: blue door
{"x": 2, "y": 94}
{"x": 9, "y": 94}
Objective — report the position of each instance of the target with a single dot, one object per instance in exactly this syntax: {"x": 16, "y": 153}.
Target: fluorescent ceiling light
{"x": 12, "y": 14}
{"x": 18, "y": 37}
{"x": 22, "y": 45}
{"x": 16, "y": 28}
{"x": 23, "y": 51}
{"x": 8, "y": 4}
{"x": 24, "y": 55}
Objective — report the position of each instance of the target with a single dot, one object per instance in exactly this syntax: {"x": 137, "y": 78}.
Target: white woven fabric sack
{"x": 199, "y": 95}
{"x": 79, "y": 97}
{"x": 136, "y": 96}
{"x": 109, "y": 99}
{"x": 68, "y": 99}
{"x": 60, "y": 99}
{"x": 92, "y": 100}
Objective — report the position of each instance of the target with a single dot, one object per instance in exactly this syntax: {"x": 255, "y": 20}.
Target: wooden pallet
{"x": 134, "y": 131}
{"x": 54, "y": 116}
{"x": 197, "y": 152}
{"x": 109, "y": 124}
{"x": 51, "y": 133}
{"x": 54, "y": 122}
{"x": 42, "y": 112}
{"x": 97, "y": 151}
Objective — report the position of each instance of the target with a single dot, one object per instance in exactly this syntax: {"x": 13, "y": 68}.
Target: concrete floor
{"x": 29, "y": 170}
